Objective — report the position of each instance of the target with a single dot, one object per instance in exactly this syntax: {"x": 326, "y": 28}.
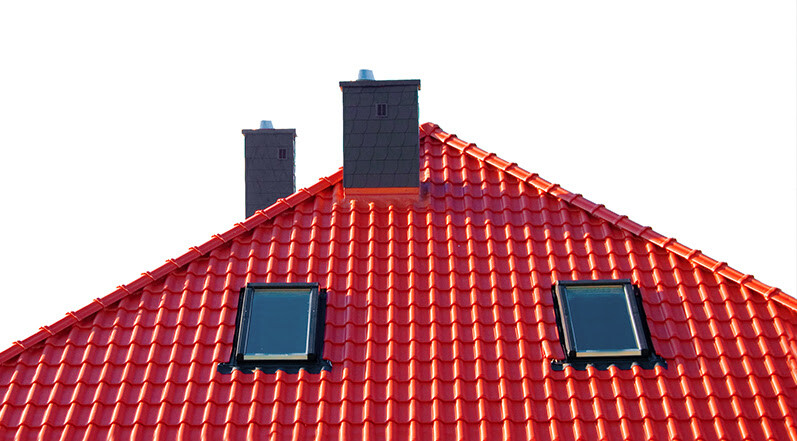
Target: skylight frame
{"x": 644, "y": 353}
{"x": 245, "y": 328}
{"x": 311, "y": 360}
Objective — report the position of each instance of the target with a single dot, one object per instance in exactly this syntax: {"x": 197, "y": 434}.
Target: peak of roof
{"x": 621, "y": 221}
{"x": 426, "y": 130}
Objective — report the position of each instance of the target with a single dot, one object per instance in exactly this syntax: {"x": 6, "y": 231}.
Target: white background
{"x": 120, "y": 123}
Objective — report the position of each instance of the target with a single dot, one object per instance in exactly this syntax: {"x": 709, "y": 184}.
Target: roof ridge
{"x": 620, "y": 221}
{"x": 193, "y": 253}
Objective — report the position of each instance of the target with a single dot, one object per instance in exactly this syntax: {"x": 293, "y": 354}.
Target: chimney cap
{"x": 365, "y": 75}
{"x": 269, "y": 132}
{"x": 266, "y": 124}
{"x": 380, "y": 83}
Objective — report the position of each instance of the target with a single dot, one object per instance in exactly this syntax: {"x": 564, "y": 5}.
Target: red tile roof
{"x": 439, "y": 325}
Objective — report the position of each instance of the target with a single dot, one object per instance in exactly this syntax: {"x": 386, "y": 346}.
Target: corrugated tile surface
{"x": 439, "y": 326}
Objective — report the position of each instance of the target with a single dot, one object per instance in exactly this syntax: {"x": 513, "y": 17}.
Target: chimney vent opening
{"x": 283, "y": 154}
{"x": 381, "y": 110}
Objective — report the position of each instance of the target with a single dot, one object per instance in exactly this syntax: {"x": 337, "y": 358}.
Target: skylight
{"x": 280, "y": 326}
{"x": 601, "y": 320}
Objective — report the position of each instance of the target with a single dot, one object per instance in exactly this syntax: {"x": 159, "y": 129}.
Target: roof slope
{"x": 439, "y": 324}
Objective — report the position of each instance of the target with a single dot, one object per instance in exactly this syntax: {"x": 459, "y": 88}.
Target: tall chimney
{"x": 270, "y": 170}
{"x": 380, "y": 136}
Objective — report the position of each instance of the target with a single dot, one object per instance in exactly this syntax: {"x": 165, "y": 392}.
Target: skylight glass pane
{"x": 278, "y": 325}
{"x": 601, "y": 320}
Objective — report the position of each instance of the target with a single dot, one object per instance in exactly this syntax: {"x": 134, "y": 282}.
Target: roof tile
{"x": 439, "y": 324}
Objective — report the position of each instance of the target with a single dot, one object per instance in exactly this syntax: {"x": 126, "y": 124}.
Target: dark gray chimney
{"x": 270, "y": 165}
{"x": 380, "y": 136}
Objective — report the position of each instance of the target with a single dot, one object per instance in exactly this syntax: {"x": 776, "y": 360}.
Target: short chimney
{"x": 380, "y": 136}
{"x": 270, "y": 169}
